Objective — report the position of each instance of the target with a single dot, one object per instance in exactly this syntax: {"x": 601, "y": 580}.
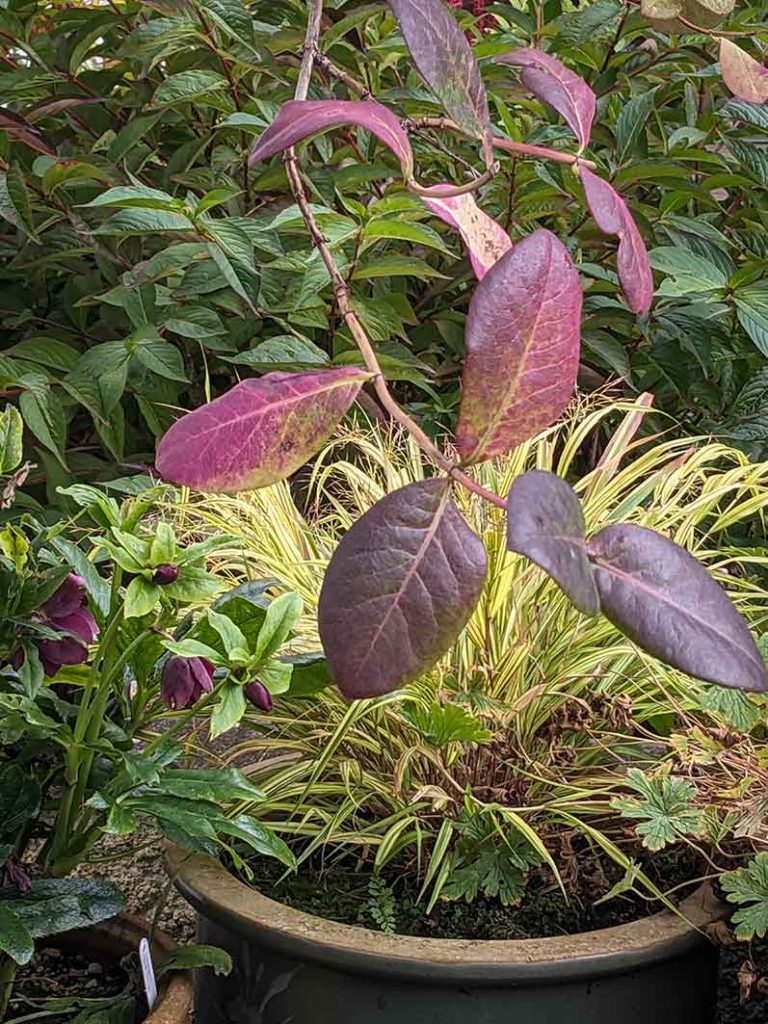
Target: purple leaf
{"x": 564, "y": 90}
{"x": 665, "y": 600}
{"x": 523, "y": 333}
{"x": 259, "y": 432}
{"x": 445, "y": 59}
{"x": 485, "y": 240}
{"x": 612, "y": 216}
{"x": 399, "y": 589}
{"x": 743, "y": 75}
{"x": 298, "y": 119}
{"x": 545, "y": 523}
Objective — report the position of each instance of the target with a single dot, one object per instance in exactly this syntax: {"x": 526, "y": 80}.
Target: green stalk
{"x": 8, "y": 970}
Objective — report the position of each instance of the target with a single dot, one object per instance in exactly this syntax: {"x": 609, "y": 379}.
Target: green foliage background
{"x": 118, "y": 308}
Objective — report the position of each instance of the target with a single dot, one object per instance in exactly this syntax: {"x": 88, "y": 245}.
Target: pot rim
{"x": 123, "y": 934}
{"x": 217, "y": 895}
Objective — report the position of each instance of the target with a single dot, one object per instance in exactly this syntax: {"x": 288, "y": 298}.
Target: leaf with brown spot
{"x": 259, "y": 432}
{"x": 399, "y": 589}
{"x": 485, "y": 239}
{"x": 523, "y": 340}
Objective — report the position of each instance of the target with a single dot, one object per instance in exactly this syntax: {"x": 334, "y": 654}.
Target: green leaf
{"x": 733, "y": 706}
{"x": 259, "y": 837}
{"x": 282, "y": 352}
{"x": 170, "y": 261}
{"x": 161, "y": 357}
{"x": 194, "y": 649}
{"x": 11, "y": 435}
{"x": 276, "y": 676}
{"x": 441, "y": 724}
{"x": 194, "y": 957}
{"x": 44, "y": 416}
{"x": 631, "y": 123}
{"x": 187, "y": 86}
{"x": 15, "y": 939}
{"x": 47, "y": 352}
{"x": 748, "y": 887}
{"x": 218, "y": 785}
{"x": 229, "y": 710}
{"x": 232, "y": 637}
{"x": 282, "y": 615}
{"x": 403, "y": 230}
{"x": 665, "y": 808}
{"x": 142, "y": 222}
{"x": 687, "y": 272}
{"x": 57, "y": 905}
{"x": 141, "y": 597}
{"x": 128, "y": 196}
{"x": 15, "y": 203}
{"x": 19, "y": 800}
{"x": 752, "y": 158}
{"x": 310, "y": 674}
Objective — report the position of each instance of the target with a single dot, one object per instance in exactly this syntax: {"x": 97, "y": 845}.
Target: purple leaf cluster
{"x": 406, "y": 577}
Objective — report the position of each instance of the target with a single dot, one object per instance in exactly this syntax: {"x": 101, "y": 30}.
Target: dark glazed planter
{"x": 293, "y": 968}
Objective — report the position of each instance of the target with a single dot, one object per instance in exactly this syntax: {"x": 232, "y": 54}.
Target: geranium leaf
{"x": 612, "y": 216}
{"x": 743, "y": 75}
{"x": 399, "y": 589}
{"x": 259, "y": 432}
{"x": 522, "y": 348}
{"x": 446, "y": 62}
{"x": 299, "y": 119}
{"x": 485, "y": 239}
{"x": 563, "y": 89}
{"x": 661, "y": 597}
{"x": 545, "y": 523}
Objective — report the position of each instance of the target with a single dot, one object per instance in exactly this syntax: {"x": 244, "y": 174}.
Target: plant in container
{"x": 521, "y": 736}
{"x": 407, "y": 576}
{"x": 97, "y": 702}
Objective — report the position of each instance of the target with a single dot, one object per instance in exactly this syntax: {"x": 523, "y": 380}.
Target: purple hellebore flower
{"x": 64, "y": 612}
{"x": 184, "y": 681}
{"x": 165, "y": 574}
{"x": 16, "y": 875}
{"x": 259, "y": 696}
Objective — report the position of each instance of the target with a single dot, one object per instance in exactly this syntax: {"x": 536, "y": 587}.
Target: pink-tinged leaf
{"x": 522, "y": 337}
{"x": 612, "y": 216}
{"x": 19, "y": 127}
{"x": 551, "y": 81}
{"x": 446, "y": 62}
{"x": 661, "y": 597}
{"x": 743, "y": 75}
{"x": 299, "y": 119}
{"x": 486, "y": 241}
{"x": 545, "y": 523}
{"x": 259, "y": 432}
{"x": 399, "y": 589}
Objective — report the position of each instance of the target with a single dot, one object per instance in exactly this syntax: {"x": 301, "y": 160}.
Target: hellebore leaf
{"x": 522, "y": 338}
{"x": 298, "y": 119}
{"x": 661, "y": 597}
{"x": 399, "y": 589}
{"x": 551, "y": 81}
{"x": 545, "y": 523}
{"x": 485, "y": 239}
{"x": 259, "y": 432}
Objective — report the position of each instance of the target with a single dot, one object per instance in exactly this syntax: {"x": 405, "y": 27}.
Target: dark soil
{"x": 350, "y": 898}
{"x": 67, "y": 984}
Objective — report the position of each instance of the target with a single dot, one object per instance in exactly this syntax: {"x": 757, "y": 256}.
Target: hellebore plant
{"x": 406, "y": 577}
{"x": 102, "y": 671}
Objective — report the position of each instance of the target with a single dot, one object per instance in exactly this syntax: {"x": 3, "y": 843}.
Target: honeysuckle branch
{"x": 342, "y": 291}
{"x": 521, "y": 148}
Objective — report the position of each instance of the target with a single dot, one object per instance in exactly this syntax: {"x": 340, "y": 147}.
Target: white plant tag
{"x": 148, "y": 973}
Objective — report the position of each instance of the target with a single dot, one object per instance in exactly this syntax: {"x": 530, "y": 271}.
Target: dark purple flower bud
{"x": 165, "y": 574}
{"x": 259, "y": 696}
{"x": 184, "y": 681}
